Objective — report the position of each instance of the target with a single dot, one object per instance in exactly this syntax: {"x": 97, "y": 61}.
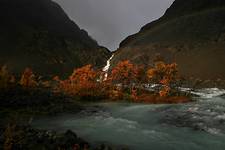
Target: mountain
{"x": 191, "y": 33}
{"x": 38, "y": 34}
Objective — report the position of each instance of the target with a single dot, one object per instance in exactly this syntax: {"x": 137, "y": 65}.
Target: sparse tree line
{"x": 126, "y": 81}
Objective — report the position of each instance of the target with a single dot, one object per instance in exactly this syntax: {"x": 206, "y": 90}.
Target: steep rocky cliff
{"x": 38, "y": 34}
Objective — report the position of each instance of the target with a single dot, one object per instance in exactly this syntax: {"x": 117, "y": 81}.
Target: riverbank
{"x": 24, "y": 137}
{"x": 30, "y": 102}
{"x": 198, "y": 125}
{"x": 23, "y": 106}
{"x": 19, "y": 106}
{"x": 18, "y": 137}
{"x": 36, "y": 101}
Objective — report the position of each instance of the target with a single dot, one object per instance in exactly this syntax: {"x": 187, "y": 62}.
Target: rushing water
{"x": 106, "y": 68}
{"x": 194, "y": 126}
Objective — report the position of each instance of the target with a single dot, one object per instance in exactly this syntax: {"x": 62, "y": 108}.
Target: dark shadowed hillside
{"x": 191, "y": 33}
{"x": 38, "y": 34}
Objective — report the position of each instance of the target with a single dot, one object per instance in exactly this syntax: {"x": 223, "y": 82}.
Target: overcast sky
{"x": 110, "y": 21}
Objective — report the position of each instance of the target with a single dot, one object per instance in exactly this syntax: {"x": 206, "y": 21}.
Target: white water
{"x": 202, "y": 93}
{"x": 206, "y": 92}
{"x": 106, "y": 68}
{"x": 194, "y": 126}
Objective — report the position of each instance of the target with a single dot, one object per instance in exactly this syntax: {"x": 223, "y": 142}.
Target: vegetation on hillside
{"x": 126, "y": 81}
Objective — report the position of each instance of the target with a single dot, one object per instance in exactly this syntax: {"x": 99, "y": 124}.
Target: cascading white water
{"x": 106, "y": 68}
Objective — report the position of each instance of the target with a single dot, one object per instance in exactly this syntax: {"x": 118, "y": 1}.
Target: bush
{"x": 28, "y": 79}
{"x": 6, "y": 79}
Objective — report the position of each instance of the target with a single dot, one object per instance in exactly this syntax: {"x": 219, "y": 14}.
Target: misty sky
{"x": 110, "y": 21}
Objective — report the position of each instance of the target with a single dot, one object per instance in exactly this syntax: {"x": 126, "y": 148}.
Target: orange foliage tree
{"x": 83, "y": 79}
{"x": 124, "y": 73}
{"x": 164, "y": 74}
{"x": 28, "y": 78}
{"x": 6, "y": 79}
{"x": 82, "y": 82}
{"x": 128, "y": 76}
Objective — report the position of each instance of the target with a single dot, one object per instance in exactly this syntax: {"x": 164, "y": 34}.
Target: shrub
{"x": 84, "y": 83}
{"x": 28, "y": 79}
{"x": 166, "y": 75}
{"x": 6, "y": 79}
{"x": 124, "y": 73}
{"x": 12, "y": 137}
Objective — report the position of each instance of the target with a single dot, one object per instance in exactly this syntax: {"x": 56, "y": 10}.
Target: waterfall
{"x": 106, "y": 68}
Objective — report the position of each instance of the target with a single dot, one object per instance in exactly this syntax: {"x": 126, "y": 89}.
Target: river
{"x": 194, "y": 126}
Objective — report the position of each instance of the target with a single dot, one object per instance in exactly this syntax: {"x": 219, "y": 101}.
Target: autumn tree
{"x": 83, "y": 82}
{"x": 164, "y": 74}
{"x": 5, "y": 77}
{"x": 124, "y": 73}
{"x": 128, "y": 76}
{"x": 28, "y": 78}
{"x": 83, "y": 78}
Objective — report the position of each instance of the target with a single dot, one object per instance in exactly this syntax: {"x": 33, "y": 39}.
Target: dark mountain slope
{"x": 38, "y": 34}
{"x": 191, "y": 33}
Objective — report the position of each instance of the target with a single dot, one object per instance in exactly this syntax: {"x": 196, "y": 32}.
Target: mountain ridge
{"x": 40, "y": 35}
{"x": 194, "y": 38}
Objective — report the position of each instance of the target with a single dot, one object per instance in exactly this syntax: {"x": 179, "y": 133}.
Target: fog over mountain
{"x": 110, "y": 21}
